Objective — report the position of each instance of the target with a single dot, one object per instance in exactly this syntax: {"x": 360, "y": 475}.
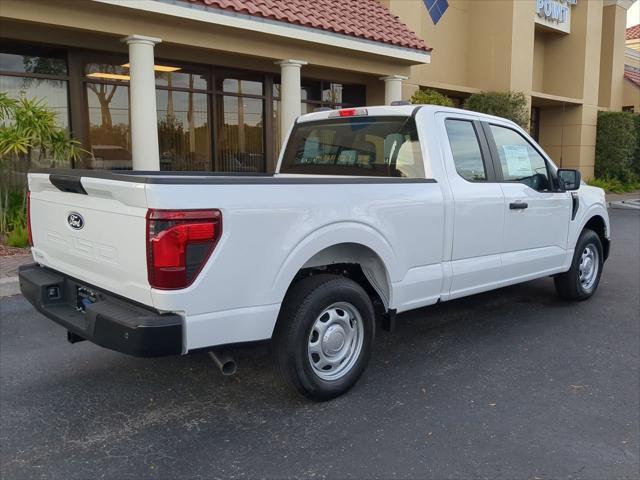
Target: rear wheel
{"x": 324, "y": 336}
{"x": 582, "y": 279}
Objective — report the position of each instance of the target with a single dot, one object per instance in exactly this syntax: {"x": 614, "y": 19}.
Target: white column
{"x": 290, "y": 93}
{"x": 144, "y": 116}
{"x": 393, "y": 88}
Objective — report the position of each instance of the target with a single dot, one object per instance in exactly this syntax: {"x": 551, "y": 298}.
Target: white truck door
{"x": 478, "y": 222}
{"x": 537, "y": 216}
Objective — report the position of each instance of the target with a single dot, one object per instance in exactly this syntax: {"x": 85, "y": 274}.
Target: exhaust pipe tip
{"x": 224, "y": 362}
{"x": 229, "y": 368}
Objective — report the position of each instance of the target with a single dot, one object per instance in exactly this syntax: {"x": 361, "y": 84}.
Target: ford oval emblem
{"x": 75, "y": 220}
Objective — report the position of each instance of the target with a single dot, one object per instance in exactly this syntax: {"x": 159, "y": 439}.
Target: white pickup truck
{"x": 372, "y": 212}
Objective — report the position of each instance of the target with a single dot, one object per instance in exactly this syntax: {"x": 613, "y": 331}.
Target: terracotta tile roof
{"x": 367, "y": 19}
{"x": 632, "y": 74}
{"x": 632, "y": 33}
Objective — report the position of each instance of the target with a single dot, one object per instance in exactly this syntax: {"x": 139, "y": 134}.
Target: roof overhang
{"x": 213, "y": 16}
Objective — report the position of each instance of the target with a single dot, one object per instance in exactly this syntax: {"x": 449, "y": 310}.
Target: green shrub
{"x": 431, "y": 97}
{"x": 18, "y": 237}
{"x": 635, "y": 158}
{"x": 613, "y": 185}
{"x": 511, "y": 105}
{"x": 616, "y": 146}
{"x": 13, "y": 218}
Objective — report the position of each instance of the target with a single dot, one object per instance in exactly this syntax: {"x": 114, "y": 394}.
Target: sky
{"x": 633, "y": 15}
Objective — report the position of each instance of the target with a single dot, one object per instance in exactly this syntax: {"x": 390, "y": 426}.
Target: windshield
{"x": 361, "y": 146}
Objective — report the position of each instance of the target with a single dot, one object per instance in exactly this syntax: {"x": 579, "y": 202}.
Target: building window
{"x": 41, "y": 74}
{"x": 107, "y": 93}
{"x": 209, "y": 118}
{"x": 240, "y": 122}
{"x": 182, "y": 104}
{"x": 628, "y": 108}
{"x": 37, "y": 73}
{"x": 182, "y": 108}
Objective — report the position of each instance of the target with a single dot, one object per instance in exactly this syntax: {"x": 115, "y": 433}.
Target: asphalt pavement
{"x": 511, "y": 384}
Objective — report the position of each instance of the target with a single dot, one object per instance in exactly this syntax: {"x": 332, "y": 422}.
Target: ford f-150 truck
{"x": 371, "y": 212}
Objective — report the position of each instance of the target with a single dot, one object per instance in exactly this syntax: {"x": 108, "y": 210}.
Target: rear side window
{"x": 360, "y": 146}
{"x": 465, "y": 148}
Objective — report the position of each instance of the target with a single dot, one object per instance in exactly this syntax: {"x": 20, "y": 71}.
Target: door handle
{"x": 518, "y": 205}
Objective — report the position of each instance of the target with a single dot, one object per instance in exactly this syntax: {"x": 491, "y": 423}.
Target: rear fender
{"x": 336, "y": 243}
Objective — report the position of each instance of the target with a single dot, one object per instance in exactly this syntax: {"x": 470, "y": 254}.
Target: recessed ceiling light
{"x": 159, "y": 68}
{"x": 110, "y": 76}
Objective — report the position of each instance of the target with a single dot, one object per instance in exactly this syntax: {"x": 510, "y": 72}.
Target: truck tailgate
{"x": 92, "y": 229}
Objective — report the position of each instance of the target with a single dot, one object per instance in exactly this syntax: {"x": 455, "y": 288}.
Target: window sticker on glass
{"x": 518, "y": 162}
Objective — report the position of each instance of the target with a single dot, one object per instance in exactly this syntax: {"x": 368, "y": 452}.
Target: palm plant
{"x": 28, "y": 126}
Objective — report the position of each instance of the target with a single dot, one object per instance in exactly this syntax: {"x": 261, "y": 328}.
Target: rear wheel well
{"x": 352, "y": 271}
{"x": 598, "y": 225}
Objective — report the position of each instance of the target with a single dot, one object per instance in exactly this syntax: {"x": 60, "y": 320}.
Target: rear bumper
{"x": 110, "y": 322}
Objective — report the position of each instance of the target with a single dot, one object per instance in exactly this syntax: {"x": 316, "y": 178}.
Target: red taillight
{"x": 179, "y": 243}
{"x": 29, "y": 219}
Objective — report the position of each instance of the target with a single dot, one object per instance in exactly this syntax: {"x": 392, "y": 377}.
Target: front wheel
{"x": 324, "y": 336}
{"x": 582, "y": 279}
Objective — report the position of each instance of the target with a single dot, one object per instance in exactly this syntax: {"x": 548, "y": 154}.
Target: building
{"x": 566, "y": 56}
{"x": 631, "y": 90}
{"x": 214, "y": 84}
{"x": 219, "y": 78}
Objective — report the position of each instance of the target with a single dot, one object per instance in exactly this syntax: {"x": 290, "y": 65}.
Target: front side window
{"x": 465, "y": 148}
{"x": 361, "y": 146}
{"x": 520, "y": 162}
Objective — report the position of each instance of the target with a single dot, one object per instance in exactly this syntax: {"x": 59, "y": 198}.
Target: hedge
{"x": 617, "y": 149}
{"x": 431, "y": 97}
{"x": 511, "y": 105}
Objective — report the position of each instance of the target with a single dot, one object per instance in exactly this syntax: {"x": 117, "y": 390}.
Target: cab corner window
{"x": 465, "y": 148}
{"x": 519, "y": 161}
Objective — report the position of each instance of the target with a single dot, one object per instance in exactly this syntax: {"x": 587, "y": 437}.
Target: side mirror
{"x": 569, "y": 179}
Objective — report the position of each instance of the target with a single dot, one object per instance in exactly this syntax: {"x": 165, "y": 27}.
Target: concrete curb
{"x": 9, "y": 286}
{"x": 632, "y": 204}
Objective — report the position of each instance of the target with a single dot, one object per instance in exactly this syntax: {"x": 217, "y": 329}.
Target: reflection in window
{"x": 183, "y": 130}
{"x": 109, "y": 130}
{"x": 520, "y": 162}
{"x": 40, "y": 64}
{"x": 39, "y": 74}
{"x": 240, "y": 83}
{"x": 332, "y": 93}
{"x": 240, "y": 141}
{"x": 52, "y": 94}
{"x": 179, "y": 79}
{"x": 467, "y": 155}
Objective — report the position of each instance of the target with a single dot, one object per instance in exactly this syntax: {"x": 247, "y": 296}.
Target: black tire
{"x": 297, "y": 325}
{"x": 569, "y": 284}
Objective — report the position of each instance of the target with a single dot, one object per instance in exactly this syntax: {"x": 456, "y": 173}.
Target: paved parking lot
{"x": 509, "y": 384}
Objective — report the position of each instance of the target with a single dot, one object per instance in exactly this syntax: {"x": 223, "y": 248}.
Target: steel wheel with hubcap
{"x": 589, "y": 266}
{"x": 335, "y": 341}
{"x": 324, "y": 335}
{"x": 581, "y": 281}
